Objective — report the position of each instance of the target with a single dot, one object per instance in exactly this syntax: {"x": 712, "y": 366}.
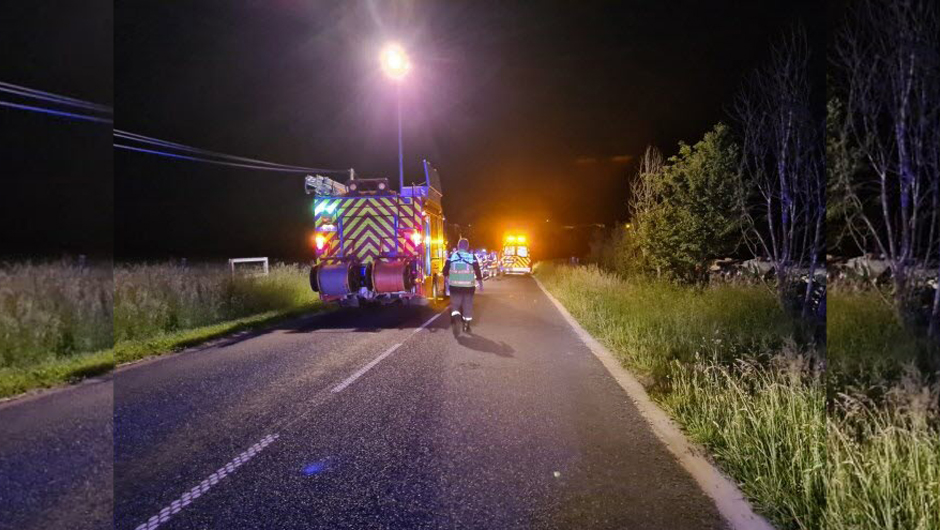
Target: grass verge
{"x": 15, "y": 381}
{"x": 61, "y": 322}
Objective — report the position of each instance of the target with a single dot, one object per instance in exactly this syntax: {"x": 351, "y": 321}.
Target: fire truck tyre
{"x": 313, "y": 280}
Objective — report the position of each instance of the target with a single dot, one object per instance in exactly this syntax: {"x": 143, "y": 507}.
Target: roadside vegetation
{"x": 152, "y": 300}
{"x": 721, "y": 361}
{"x": 883, "y": 162}
{"x": 55, "y": 323}
{"x": 62, "y": 322}
{"x": 163, "y": 307}
{"x": 823, "y": 406}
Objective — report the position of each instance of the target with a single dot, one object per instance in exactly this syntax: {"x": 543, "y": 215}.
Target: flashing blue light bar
{"x": 323, "y": 207}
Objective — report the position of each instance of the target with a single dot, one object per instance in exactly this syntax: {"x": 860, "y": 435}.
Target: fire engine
{"x": 374, "y": 244}
{"x": 515, "y": 256}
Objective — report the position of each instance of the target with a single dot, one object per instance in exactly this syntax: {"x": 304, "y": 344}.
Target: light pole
{"x": 396, "y": 65}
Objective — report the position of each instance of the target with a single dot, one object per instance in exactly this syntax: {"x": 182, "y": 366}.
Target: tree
{"x": 783, "y": 164}
{"x": 684, "y": 210}
{"x": 888, "y": 66}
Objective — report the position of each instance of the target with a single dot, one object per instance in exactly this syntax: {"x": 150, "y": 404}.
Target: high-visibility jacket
{"x": 461, "y": 269}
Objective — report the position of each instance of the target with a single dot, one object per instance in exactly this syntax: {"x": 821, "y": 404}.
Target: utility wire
{"x": 55, "y": 112}
{"x": 219, "y": 162}
{"x": 53, "y": 98}
{"x": 251, "y": 163}
{"x": 124, "y": 135}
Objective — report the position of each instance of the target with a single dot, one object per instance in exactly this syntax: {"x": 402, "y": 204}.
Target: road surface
{"x": 356, "y": 419}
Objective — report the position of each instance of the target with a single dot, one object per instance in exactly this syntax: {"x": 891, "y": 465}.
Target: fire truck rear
{"x": 377, "y": 245}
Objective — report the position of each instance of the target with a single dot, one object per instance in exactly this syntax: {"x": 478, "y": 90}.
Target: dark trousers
{"x": 461, "y": 301}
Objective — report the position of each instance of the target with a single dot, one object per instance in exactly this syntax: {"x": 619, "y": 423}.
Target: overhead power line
{"x": 124, "y": 135}
{"x": 63, "y": 113}
{"x": 223, "y": 163}
{"x": 53, "y": 98}
{"x": 205, "y": 155}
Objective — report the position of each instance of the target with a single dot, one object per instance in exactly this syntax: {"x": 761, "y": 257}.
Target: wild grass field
{"x": 719, "y": 360}
{"x": 61, "y": 322}
{"x": 55, "y": 323}
{"x": 150, "y": 299}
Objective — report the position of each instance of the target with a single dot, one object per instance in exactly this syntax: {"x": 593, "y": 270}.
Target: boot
{"x": 455, "y": 324}
{"x": 466, "y": 326}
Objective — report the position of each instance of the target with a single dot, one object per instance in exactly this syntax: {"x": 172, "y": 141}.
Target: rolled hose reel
{"x": 394, "y": 276}
{"x": 337, "y": 279}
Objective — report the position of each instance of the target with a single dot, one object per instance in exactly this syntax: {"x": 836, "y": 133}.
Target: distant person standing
{"x": 462, "y": 271}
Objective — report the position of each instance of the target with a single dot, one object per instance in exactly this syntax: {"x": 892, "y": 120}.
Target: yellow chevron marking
{"x": 375, "y": 224}
{"x": 354, "y": 228}
{"x": 371, "y": 236}
{"x": 368, "y": 251}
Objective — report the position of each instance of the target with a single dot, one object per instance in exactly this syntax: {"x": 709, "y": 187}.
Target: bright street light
{"x": 396, "y": 65}
{"x": 395, "y": 62}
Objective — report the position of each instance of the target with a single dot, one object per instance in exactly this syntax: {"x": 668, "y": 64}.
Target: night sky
{"x": 56, "y": 187}
{"x": 532, "y": 111}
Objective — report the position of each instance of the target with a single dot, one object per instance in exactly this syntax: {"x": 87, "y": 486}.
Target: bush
{"x": 154, "y": 299}
{"x": 687, "y": 210}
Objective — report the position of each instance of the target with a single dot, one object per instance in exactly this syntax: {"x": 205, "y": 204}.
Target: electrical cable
{"x": 55, "y": 112}
{"x": 214, "y": 154}
{"x": 219, "y": 162}
{"x": 251, "y": 163}
{"x": 53, "y": 98}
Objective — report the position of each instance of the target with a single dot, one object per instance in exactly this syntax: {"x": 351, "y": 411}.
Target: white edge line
{"x": 198, "y": 490}
{"x": 428, "y": 323}
{"x": 727, "y": 497}
{"x": 359, "y": 373}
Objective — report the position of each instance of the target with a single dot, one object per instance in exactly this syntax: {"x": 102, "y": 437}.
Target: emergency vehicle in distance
{"x": 515, "y": 258}
{"x": 374, "y": 244}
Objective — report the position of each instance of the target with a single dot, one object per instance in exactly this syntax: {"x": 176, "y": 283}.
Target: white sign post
{"x": 233, "y": 261}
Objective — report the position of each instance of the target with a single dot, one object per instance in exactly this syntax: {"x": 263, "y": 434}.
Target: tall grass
{"x": 884, "y": 460}
{"x": 765, "y": 426}
{"x": 883, "y": 420}
{"x": 51, "y": 311}
{"x": 866, "y": 343}
{"x": 150, "y": 300}
{"x": 650, "y": 324}
{"x": 61, "y": 322}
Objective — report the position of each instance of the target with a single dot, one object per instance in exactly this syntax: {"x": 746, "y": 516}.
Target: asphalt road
{"x": 325, "y": 423}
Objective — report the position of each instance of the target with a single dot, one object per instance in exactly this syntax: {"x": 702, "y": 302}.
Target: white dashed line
{"x": 359, "y": 373}
{"x": 204, "y": 486}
